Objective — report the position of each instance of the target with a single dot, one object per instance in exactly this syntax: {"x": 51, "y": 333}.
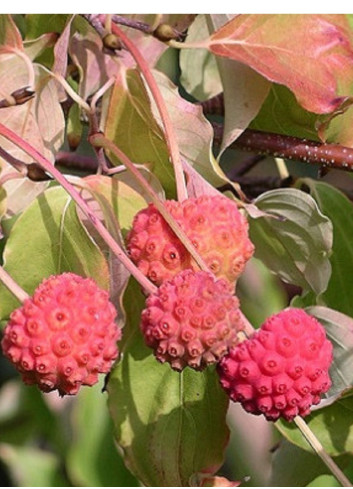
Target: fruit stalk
{"x": 320, "y": 451}
{"x": 13, "y": 286}
{"x": 162, "y": 109}
{"x": 104, "y": 233}
{"x": 100, "y": 140}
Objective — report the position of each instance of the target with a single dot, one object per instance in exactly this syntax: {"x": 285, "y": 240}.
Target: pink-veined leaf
{"x": 61, "y": 56}
{"x": 94, "y": 65}
{"x": 310, "y": 54}
{"x": 40, "y": 121}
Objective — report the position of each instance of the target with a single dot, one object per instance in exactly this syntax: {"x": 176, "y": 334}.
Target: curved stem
{"x": 321, "y": 452}
{"x": 104, "y": 233}
{"x": 188, "y": 45}
{"x": 14, "y": 175}
{"x": 101, "y": 141}
{"x": 28, "y": 63}
{"x": 162, "y": 109}
{"x": 13, "y": 286}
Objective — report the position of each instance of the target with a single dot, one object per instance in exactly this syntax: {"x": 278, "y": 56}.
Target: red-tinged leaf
{"x": 40, "y": 121}
{"x": 310, "y": 54}
{"x": 95, "y": 66}
{"x": 193, "y": 131}
{"x": 9, "y": 34}
{"x": 61, "y": 55}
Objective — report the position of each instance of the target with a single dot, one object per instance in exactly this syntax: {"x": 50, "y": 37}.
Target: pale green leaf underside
{"x": 339, "y": 329}
{"x": 296, "y": 242}
{"x": 339, "y": 209}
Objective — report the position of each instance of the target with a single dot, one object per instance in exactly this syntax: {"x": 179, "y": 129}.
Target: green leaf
{"x": 124, "y": 195}
{"x": 92, "y": 459}
{"x": 293, "y": 466}
{"x": 199, "y": 74}
{"x": 38, "y": 24}
{"x": 10, "y": 36}
{"x": 35, "y": 47}
{"x": 3, "y": 203}
{"x": 48, "y": 238}
{"x": 74, "y": 128}
{"x": 282, "y": 114}
{"x": 32, "y": 467}
{"x": 25, "y": 416}
{"x": 130, "y": 124}
{"x": 336, "y": 206}
{"x": 169, "y": 425}
{"x": 295, "y": 243}
{"x": 333, "y": 426}
{"x": 117, "y": 201}
{"x": 339, "y": 329}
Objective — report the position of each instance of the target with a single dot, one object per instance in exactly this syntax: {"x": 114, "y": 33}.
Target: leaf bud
{"x": 165, "y": 32}
{"x": 112, "y": 42}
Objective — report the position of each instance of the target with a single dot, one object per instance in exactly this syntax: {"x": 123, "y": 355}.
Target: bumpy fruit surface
{"x": 64, "y": 335}
{"x": 192, "y": 319}
{"x": 214, "y": 225}
{"x": 282, "y": 370}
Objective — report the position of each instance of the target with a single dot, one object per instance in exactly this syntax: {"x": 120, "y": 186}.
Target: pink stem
{"x": 100, "y": 140}
{"x": 104, "y": 233}
{"x": 161, "y": 106}
{"x": 13, "y": 286}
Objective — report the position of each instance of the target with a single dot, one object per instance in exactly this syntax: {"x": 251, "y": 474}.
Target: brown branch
{"x": 244, "y": 167}
{"x": 134, "y": 24}
{"x": 214, "y": 105}
{"x": 76, "y": 161}
{"x": 327, "y": 155}
{"x": 96, "y": 22}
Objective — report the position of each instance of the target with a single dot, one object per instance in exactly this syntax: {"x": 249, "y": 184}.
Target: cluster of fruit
{"x": 65, "y": 335}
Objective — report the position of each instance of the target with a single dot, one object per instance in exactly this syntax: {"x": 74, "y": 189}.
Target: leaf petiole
{"x": 91, "y": 216}
{"x": 161, "y": 106}
{"x": 321, "y": 452}
{"x": 13, "y": 286}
